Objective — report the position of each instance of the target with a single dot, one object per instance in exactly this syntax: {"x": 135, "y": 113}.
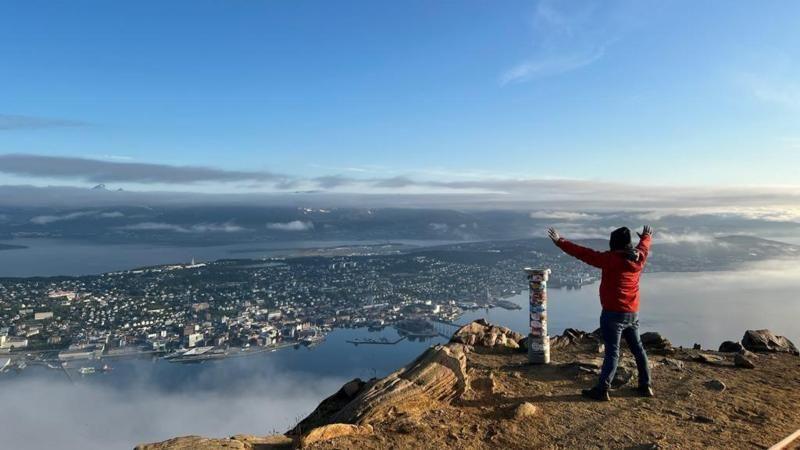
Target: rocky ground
{"x": 479, "y": 392}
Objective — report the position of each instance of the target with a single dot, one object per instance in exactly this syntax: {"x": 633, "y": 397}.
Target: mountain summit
{"x": 478, "y": 391}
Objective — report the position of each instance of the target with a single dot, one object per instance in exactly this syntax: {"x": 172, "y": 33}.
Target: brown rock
{"x": 709, "y": 358}
{"x": 439, "y": 374}
{"x": 730, "y": 347}
{"x": 194, "y": 443}
{"x": 238, "y": 442}
{"x": 766, "y": 341}
{"x": 655, "y": 341}
{"x": 525, "y": 409}
{"x": 480, "y": 333}
{"x": 333, "y": 431}
{"x": 673, "y": 364}
{"x": 742, "y": 361}
{"x": 748, "y": 354}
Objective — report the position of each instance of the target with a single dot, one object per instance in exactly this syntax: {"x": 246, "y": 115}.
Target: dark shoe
{"x": 645, "y": 391}
{"x": 596, "y": 393}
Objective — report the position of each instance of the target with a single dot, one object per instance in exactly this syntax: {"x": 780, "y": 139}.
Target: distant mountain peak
{"x": 99, "y": 187}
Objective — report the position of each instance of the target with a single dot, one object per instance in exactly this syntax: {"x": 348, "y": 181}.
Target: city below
{"x": 196, "y": 311}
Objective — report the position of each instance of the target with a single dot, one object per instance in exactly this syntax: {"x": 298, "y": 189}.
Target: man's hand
{"x": 646, "y": 231}
{"x": 553, "y": 234}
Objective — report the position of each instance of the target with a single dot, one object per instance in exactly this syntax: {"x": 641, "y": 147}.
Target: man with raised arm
{"x": 622, "y": 267}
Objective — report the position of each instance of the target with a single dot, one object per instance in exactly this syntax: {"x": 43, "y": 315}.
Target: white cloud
{"x": 439, "y": 227}
{"x": 569, "y": 36}
{"x": 227, "y": 227}
{"x": 576, "y": 232}
{"x": 769, "y": 214}
{"x": 552, "y": 65}
{"x": 44, "y": 220}
{"x": 682, "y": 238}
{"x": 295, "y": 225}
{"x": 47, "y": 219}
{"x": 111, "y": 215}
{"x": 562, "y": 215}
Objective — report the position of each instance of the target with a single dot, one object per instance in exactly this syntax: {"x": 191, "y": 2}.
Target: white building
{"x": 43, "y": 315}
{"x": 69, "y": 295}
{"x": 12, "y": 342}
{"x": 91, "y": 351}
{"x": 194, "y": 339}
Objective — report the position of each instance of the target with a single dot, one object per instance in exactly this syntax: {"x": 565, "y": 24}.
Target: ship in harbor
{"x": 197, "y": 354}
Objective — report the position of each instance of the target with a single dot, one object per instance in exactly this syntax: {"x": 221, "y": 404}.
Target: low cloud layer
{"x": 295, "y": 225}
{"x": 47, "y": 219}
{"x": 227, "y": 227}
{"x": 97, "y": 171}
{"x": 216, "y": 401}
{"x": 557, "y": 199}
{"x": 562, "y": 215}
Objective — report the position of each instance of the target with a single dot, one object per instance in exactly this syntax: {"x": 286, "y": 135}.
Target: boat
{"x": 505, "y": 304}
{"x": 87, "y": 370}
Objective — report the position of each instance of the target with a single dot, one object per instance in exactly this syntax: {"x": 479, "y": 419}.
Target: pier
{"x": 370, "y": 341}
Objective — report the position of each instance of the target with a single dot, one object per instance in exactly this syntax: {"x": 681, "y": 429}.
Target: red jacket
{"x": 619, "y": 286}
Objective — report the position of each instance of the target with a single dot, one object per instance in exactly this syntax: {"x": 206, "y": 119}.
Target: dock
{"x": 370, "y": 341}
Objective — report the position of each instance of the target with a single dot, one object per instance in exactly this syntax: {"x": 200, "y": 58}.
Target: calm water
{"x": 146, "y": 400}
{"x": 688, "y": 308}
{"x": 50, "y": 257}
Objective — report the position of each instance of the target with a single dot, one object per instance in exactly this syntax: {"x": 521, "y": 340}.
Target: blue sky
{"x": 676, "y": 93}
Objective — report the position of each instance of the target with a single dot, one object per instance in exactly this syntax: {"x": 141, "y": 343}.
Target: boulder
{"x": 238, "y": 442}
{"x": 673, "y": 364}
{"x": 333, "y": 431}
{"x": 715, "y": 385}
{"x": 766, "y": 341}
{"x": 194, "y": 443}
{"x": 748, "y": 354}
{"x": 708, "y": 358}
{"x": 329, "y": 406}
{"x": 438, "y": 375}
{"x": 571, "y": 336}
{"x": 482, "y": 334}
{"x": 522, "y": 344}
{"x": 590, "y": 365}
{"x": 730, "y": 347}
{"x": 655, "y": 342}
{"x": 742, "y": 361}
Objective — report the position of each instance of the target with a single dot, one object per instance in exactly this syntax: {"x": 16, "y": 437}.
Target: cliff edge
{"x": 479, "y": 392}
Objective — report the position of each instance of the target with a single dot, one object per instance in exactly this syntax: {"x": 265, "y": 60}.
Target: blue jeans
{"x": 613, "y": 325}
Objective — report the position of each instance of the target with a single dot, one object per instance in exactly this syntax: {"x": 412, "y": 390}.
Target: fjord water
{"x": 53, "y": 257}
{"x": 146, "y": 400}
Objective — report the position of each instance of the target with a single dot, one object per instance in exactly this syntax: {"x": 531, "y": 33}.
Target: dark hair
{"x": 620, "y": 239}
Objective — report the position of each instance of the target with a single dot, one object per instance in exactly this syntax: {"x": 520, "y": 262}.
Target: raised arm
{"x": 645, "y": 237}
{"x": 587, "y": 255}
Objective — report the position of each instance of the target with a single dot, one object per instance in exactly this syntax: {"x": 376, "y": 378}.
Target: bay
{"x": 54, "y": 257}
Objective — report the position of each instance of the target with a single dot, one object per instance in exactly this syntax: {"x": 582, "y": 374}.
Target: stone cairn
{"x": 538, "y": 342}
